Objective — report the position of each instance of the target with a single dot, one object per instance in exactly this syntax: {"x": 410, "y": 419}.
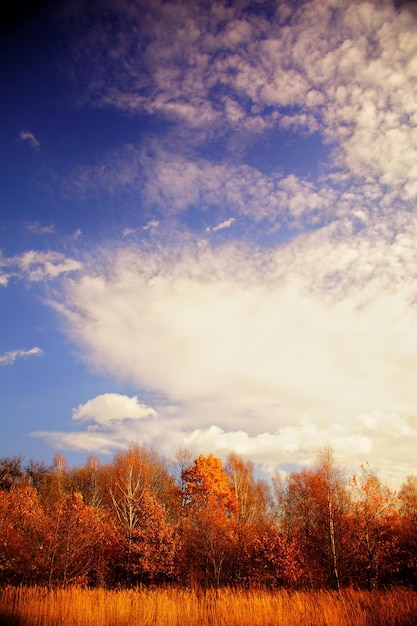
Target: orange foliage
{"x": 375, "y": 523}
{"x": 131, "y": 522}
{"x": 24, "y": 536}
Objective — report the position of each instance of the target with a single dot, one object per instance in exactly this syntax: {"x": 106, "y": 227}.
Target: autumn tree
{"x": 139, "y": 486}
{"x": 408, "y": 499}
{"x": 408, "y": 532}
{"x": 24, "y": 536}
{"x": 138, "y": 520}
{"x": 209, "y": 528}
{"x": 87, "y": 480}
{"x": 11, "y": 471}
{"x": 78, "y": 540}
{"x": 251, "y": 495}
{"x": 313, "y": 507}
{"x": 37, "y": 474}
{"x": 331, "y": 493}
{"x": 183, "y": 460}
{"x": 55, "y": 486}
{"x": 298, "y": 518}
{"x": 271, "y": 560}
{"x": 375, "y": 522}
{"x": 256, "y": 531}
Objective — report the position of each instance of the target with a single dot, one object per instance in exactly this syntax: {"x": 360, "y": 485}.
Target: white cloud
{"x": 225, "y": 224}
{"x": 270, "y": 353}
{"x": 347, "y": 70}
{"x": 110, "y": 407}
{"x": 4, "y": 275}
{"x": 151, "y": 225}
{"x": 100, "y": 443}
{"x": 116, "y": 421}
{"x": 344, "y": 70}
{"x": 173, "y": 184}
{"x": 30, "y": 138}
{"x": 8, "y": 358}
{"x": 37, "y": 266}
{"x": 177, "y": 184}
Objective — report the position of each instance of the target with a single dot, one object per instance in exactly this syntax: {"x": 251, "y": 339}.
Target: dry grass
{"x": 173, "y": 607}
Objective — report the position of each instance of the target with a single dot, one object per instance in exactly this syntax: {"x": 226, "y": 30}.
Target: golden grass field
{"x": 36, "y": 606}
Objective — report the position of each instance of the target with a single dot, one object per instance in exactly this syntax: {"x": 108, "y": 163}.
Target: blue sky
{"x": 208, "y": 230}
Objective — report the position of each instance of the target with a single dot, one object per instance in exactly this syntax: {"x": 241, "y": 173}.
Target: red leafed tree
{"x": 11, "y": 472}
{"x": 24, "y": 536}
{"x": 208, "y": 524}
{"x": 260, "y": 549}
{"x": 270, "y": 559}
{"x": 140, "y": 487}
{"x": 148, "y": 553}
{"x": 251, "y": 496}
{"x": 78, "y": 542}
{"x": 374, "y": 528}
{"x": 313, "y": 507}
{"x": 86, "y": 480}
{"x": 408, "y": 531}
{"x": 207, "y": 486}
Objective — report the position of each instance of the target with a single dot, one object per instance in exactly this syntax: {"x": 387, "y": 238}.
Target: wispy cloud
{"x": 8, "y": 358}
{"x": 4, "y": 279}
{"x": 225, "y": 224}
{"x": 151, "y": 226}
{"x": 40, "y": 229}
{"x": 345, "y": 70}
{"x": 4, "y": 275}
{"x": 87, "y": 441}
{"x": 177, "y": 184}
{"x": 37, "y": 266}
{"x": 29, "y": 138}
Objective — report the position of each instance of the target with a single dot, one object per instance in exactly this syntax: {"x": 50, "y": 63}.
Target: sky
{"x": 208, "y": 231}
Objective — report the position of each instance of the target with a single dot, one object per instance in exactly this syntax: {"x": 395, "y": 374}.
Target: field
{"x": 35, "y": 606}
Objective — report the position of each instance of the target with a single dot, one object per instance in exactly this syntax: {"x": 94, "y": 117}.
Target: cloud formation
{"x": 110, "y": 407}
{"x": 261, "y": 349}
{"x": 345, "y": 70}
{"x": 29, "y": 138}
{"x": 8, "y": 358}
{"x": 226, "y": 224}
{"x": 240, "y": 75}
{"x": 40, "y": 229}
{"x": 38, "y": 266}
{"x": 267, "y": 304}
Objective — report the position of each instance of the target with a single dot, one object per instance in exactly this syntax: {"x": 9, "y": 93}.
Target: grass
{"x": 36, "y": 606}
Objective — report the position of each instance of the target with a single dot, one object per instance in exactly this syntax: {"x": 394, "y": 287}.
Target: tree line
{"x": 139, "y": 520}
